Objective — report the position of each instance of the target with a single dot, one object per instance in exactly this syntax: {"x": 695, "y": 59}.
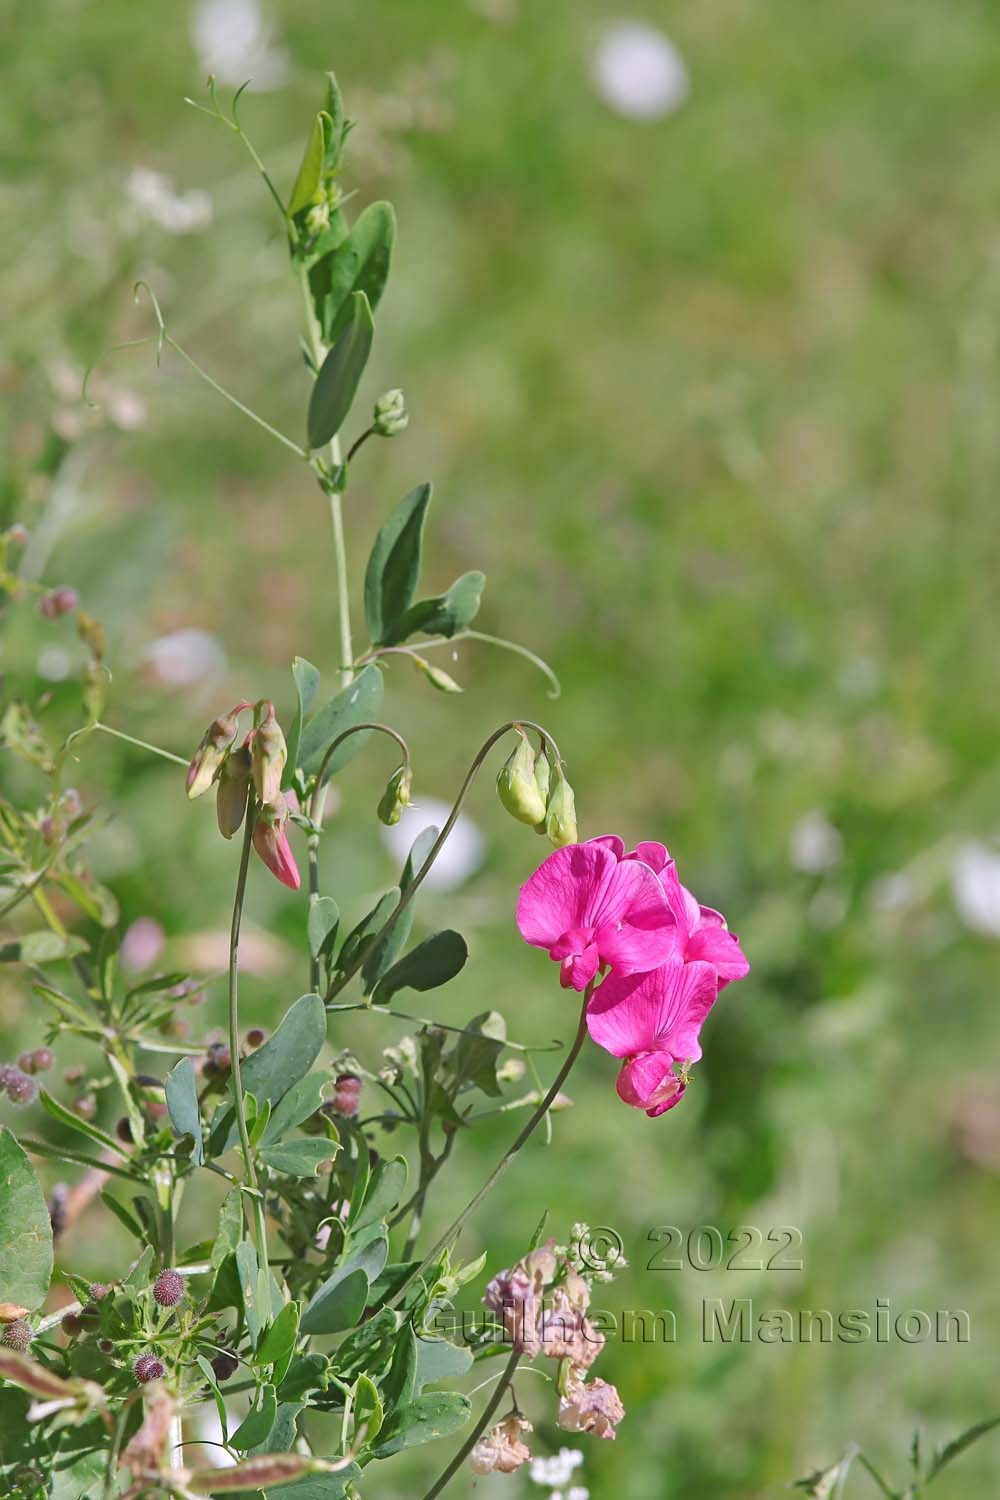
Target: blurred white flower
{"x": 557, "y": 1470}
{"x": 463, "y": 850}
{"x": 236, "y": 41}
{"x": 126, "y": 409}
{"x": 638, "y": 71}
{"x": 893, "y": 892}
{"x": 54, "y": 663}
{"x": 975, "y": 886}
{"x": 143, "y": 943}
{"x": 155, "y": 200}
{"x": 184, "y": 658}
{"x": 814, "y": 845}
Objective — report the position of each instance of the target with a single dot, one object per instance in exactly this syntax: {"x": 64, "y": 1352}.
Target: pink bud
{"x": 210, "y": 754}
{"x": 233, "y": 792}
{"x": 271, "y": 842}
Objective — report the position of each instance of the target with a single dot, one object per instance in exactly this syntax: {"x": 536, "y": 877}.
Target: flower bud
{"x": 168, "y": 1288}
{"x": 58, "y": 602}
{"x": 147, "y": 1367}
{"x": 438, "y": 679}
{"x": 543, "y": 778}
{"x": 517, "y": 787}
{"x": 347, "y": 1098}
{"x": 94, "y": 682}
{"x": 271, "y": 842}
{"x": 391, "y": 416}
{"x": 269, "y": 755}
{"x": 396, "y": 796}
{"x": 211, "y": 753}
{"x": 16, "y": 1335}
{"x": 560, "y": 815}
{"x": 233, "y": 791}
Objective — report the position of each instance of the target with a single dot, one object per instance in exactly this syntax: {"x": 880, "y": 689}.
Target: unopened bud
{"x": 396, "y": 796}
{"x": 517, "y": 787}
{"x": 58, "y": 602}
{"x": 92, "y": 633}
{"x": 94, "y": 682}
{"x": 436, "y": 677}
{"x": 543, "y": 778}
{"x": 269, "y": 755}
{"x": 560, "y": 815}
{"x": 210, "y": 754}
{"x": 271, "y": 842}
{"x": 233, "y": 791}
{"x": 391, "y": 416}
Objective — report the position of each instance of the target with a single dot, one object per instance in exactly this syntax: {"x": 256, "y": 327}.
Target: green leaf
{"x": 959, "y": 1444}
{"x": 437, "y": 1359}
{"x": 258, "y": 1421}
{"x": 94, "y": 899}
{"x": 434, "y": 1415}
{"x": 281, "y": 1438}
{"x": 394, "y": 564}
{"x": 318, "y": 1486}
{"x": 359, "y": 702}
{"x": 123, "y": 1216}
{"x": 299, "y": 1158}
{"x": 278, "y": 1343}
{"x": 25, "y": 1229}
{"x": 477, "y": 1052}
{"x": 445, "y": 615}
{"x": 340, "y": 374}
{"x": 338, "y": 125}
{"x": 306, "y": 678}
{"x": 275, "y": 1068}
{"x": 399, "y": 1384}
{"x": 230, "y": 1228}
{"x": 340, "y": 1301}
{"x": 368, "y": 1411}
{"x": 322, "y": 924}
{"x": 74, "y": 1122}
{"x": 359, "y": 263}
{"x": 41, "y": 948}
{"x": 385, "y": 1190}
{"x": 370, "y": 923}
{"x": 301, "y": 1101}
{"x": 306, "y": 1374}
{"x": 430, "y": 964}
{"x": 217, "y": 1396}
{"x": 182, "y": 1105}
{"x": 310, "y": 178}
{"x": 246, "y": 1270}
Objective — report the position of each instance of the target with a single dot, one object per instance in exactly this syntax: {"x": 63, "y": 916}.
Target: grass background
{"x": 712, "y": 402}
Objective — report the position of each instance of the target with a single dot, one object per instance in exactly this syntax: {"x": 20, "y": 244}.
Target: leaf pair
{"x": 392, "y": 576}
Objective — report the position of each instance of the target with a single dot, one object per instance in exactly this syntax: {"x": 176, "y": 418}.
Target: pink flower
{"x": 652, "y": 1021}
{"x": 701, "y": 932}
{"x": 590, "y": 1406}
{"x": 271, "y": 842}
{"x": 588, "y": 907}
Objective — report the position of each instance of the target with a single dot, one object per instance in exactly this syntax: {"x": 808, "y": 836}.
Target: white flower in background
{"x": 975, "y": 886}
{"x": 463, "y": 850}
{"x": 185, "y": 658}
{"x": 638, "y": 71}
{"x": 236, "y": 41}
{"x": 155, "y": 200}
{"x": 555, "y": 1472}
{"x": 54, "y": 663}
{"x": 814, "y": 845}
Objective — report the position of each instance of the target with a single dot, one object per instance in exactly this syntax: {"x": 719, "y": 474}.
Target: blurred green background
{"x": 710, "y": 395}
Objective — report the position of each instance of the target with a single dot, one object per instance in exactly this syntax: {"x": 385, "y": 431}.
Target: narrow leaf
{"x": 393, "y": 570}
{"x": 445, "y": 615}
{"x": 359, "y": 263}
{"x": 340, "y": 374}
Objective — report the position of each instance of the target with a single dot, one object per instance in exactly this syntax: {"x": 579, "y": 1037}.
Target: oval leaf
{"x": 431, "y": 1416}
{"x": 299, "y": 1158}
{"x": 182, "y": 1105}
{"x": 445, "y": 615}
{"x": 359, "y": 702}
{"x": 360, "y": 263}
{"x": 430, "y": 964}
{"x": 393, "y": 570}
{"x": 340, "y": 374}
{"x": 25, "y": 1229}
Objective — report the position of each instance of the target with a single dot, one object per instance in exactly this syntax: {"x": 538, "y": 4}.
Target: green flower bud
{"x": 560, "y": 815}
{"x": 233, "y": 791}
{"x": 436, "y": 677}
{"x": 269, "y": 755}
{"x": 391, "y": 416}
{"x": 396, "y": 796}
{"x": 543, "y": 777}
{"x": 517, "y": 787}
{"x": 210, "y": 754}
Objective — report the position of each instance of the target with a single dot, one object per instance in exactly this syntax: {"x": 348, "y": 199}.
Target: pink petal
{"x": 636, "y": 950}
{"x": 652, "y": 854}
{"x": 720, "y": 948}
{"x": 610, "y": 841}
{"x": 648, "y": 1082}
{"x": 634, "y": 895}
{"x": 577, "y": 970}
{"x": 560, "y": 893}
{"x": 649, "y": 1011}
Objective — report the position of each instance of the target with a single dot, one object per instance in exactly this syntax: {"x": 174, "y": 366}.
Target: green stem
{"x": 508, "y": 1157}
{"x": 489, "y": 1411}
{"x": 236, "y": 1080}
{"x": 130, "y": 739}
{"x": 435, "y": 848}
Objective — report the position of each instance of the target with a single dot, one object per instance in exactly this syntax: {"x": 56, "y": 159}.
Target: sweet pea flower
{"x": 701, "y": 932}
{"x": 589, "y": 907}
{"x": 271, "y": 841}
{"x": 652, "y": 1021}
